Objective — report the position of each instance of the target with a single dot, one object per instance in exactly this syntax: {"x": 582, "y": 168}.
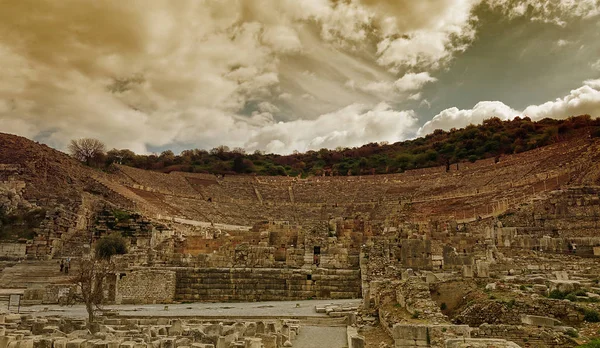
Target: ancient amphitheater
{"x": 462, "y": 258}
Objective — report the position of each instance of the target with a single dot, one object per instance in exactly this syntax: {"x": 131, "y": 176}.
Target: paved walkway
{"x": 321, "y": 337}
{"x": 272, "y": 309}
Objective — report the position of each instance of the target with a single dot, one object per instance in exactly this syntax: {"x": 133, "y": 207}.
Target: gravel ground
{"x": 321, "y": 337}
{"x": 274, "y": 309}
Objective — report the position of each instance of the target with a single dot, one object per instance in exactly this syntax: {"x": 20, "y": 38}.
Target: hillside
{"x": 49, "y": 174}
{"x": 54, "y": 201}
{"x": 493, "y": 139}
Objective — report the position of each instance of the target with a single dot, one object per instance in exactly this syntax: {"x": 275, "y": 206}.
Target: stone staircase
{"x": 138, "y": 202}
{"x": 33, "y": 274}
{"x": 75, "y": 245}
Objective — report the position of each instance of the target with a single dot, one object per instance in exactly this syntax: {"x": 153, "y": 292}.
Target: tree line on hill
{"x": 492, "y": 139}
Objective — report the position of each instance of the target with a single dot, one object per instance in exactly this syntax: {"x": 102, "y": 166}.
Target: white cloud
{"x": 548, "y": 11}
{"x": 354, "y": 125}
{"x": 583, "y": 100}
{"x": 455, "y": 118}
{"x": 416, "y": 96}
{"x": 595, "y": 84}
{"x": 429, "y": 37}
{"x": 402, "y": 87}
{"x": 282, "y": 39}
{"x": 413, "y": 82}
{"x": 596, "y": 65}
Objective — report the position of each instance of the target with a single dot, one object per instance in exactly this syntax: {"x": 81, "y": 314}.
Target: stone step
{"x": 29, "y": 274}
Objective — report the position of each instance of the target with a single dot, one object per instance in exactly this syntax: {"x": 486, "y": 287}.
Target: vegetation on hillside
{"x": 107, "y": 246}
{"x": 492, "y": 139}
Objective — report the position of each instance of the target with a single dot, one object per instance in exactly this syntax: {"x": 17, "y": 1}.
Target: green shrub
{"x": 110, "y": 245}
{"x": 591, "y": 316}
{"x": 571, "y": 333}
{"x": 571, "y": 297}
{"x": 443, "y": 306}
{"x": 121, "y": 215}
{"x": 557, "y": 294}
{"x": 416, "y": 315}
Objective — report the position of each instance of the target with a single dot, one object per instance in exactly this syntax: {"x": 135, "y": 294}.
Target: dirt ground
{"x": 374, "y": 336}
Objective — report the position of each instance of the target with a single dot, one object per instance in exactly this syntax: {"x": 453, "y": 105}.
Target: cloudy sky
{"x": 285, "y": 75}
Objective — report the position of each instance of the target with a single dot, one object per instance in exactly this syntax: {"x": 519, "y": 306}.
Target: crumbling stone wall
{"x": 146, "y": 286}
{"x": 497, "y": 311}
{"x": 524, "y": 336}
{"x": 13, "y": 250}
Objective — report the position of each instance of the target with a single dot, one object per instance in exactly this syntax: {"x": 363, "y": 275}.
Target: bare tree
{"x": 86, "y": 149}
{"x": 91, "y": 279}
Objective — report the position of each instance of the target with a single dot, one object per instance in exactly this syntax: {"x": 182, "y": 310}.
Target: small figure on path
{"x": 62, "y": 265}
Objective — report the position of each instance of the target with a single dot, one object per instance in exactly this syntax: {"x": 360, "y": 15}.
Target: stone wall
{"x": 419, "y": 335}
{"x": 265, "y": 284}
{"x": 524, "y": 336}
{"x": 13, "y": 250}
{"x": 146, "y": 286}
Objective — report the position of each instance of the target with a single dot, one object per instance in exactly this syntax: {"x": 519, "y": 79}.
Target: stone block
{"x": 5, "y": 340}
{"x": 76, "y": 343}
{"x": 357, "y": 341}
{"x": 42, "y": 343}
{"x": 60, "y": 343}
{"x": 536, "y": 320}
{"x": 467, "y": 271}
{"x": 564, "y": 285}
{"x": 176, "y": 328}
{"x": 100, "y": 344}
{"x": 479, "y": 343}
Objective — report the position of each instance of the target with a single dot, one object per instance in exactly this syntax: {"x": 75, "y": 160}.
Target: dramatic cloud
{"x": 580, "y": 101}
{"x": 271, "y": 75}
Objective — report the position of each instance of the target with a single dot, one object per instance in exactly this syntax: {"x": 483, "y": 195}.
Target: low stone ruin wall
{"x": 146, "y": 286}
{"x": 265, "y": 284}
{"x": 525, "y": 336}
{"x": 13, "y": 250}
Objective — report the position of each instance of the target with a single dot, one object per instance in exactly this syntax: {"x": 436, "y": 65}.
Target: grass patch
{"x": 595, "y": 343}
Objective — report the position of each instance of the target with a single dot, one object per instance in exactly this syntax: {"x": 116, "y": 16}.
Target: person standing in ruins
{"x": 62, "y": 265}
